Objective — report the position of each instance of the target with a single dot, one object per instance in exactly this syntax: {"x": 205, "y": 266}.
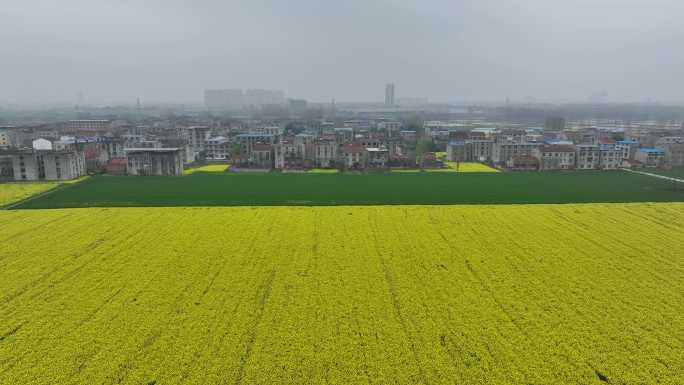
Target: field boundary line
{"x": 13, "y": 205}
{"x": 59, "y": 186}
{"x": 655, "y": 175}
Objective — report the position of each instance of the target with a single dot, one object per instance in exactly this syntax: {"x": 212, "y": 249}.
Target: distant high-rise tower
{"x": 389, "y": 94}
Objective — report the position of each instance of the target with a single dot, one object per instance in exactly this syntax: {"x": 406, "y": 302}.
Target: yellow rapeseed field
{"x": 541, "y": 294}
{"x": 207, "y": 168}
{"x": 470, "y": 167}
{"x": 14, "y": 192}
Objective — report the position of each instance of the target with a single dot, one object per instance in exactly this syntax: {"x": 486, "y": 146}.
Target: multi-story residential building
{"x": 95, "y": 149}
{"x": 389, "y": 94}
{"x": 186, "y": 152}
{"x": 377, "y": 157}
{"x": 6, "y": 168}
{"x": 261, "y": 156}
{"x": 154, "y": 161}
{"x": 325, "y": 153}
{"x": 650, "y": 157}
{"x": 196, "y": 137}
{"x": 217, "y": 148}
{"x": 431, "y": 128}
{"x": 306, "y": 141}
{"x": 627, "y": 148}
{"x": 522, "y": 162}
{"x": 674, "y": 150}
{"x": 588, "y": 156}
{"x": 90, "y": 127}
{"x": 358, "y": 124}
{"x": 372, "y": 141}
{"x": 510, "y": 135}
{"x": 353, "y": 155}
{"x": 276, "y": 131}
{"x": 344, "y": 134}
{"x": 502, "y": 152}
{"x": 6, "y": 137}
{"x": 408, "y": 135}
{"x": 113, "y": 147}
{"x": 556, "y": 157}
{"x": 456, "y": 151}
{"x": 248, "y": 141}
{"x": 590, "y": 137}
{"x": 481, "y": 150}
{"x": 289, "y": 155}
{"x": 47, "y": 164}
{"x": 389, "y": 126}
{"x": 610, "y": 157}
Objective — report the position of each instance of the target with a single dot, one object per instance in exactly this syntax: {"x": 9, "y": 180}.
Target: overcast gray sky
{"x": 446, "y": 50}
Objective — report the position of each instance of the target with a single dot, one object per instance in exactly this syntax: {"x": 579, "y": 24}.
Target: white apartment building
{"x": 196, "y": 137}
{"x": 353, "y": 155}
{"x": 650, "y": 157}
{"x": 89, "y": 125}
{"x": 288, "y": 154}
{"x": 5, "y": 137}
{"x": 217, "y": 148}
{"x": 502, "y": 152}
{"x": 610, "y": 157}
{"x": 248, "y": 141}
{"x": 627, "y": 148}
{"x": 390, "y": 126}
{"x": 154, "y": 161}
{"x": 37, "y": 165}
{"x": 556, "y": 157}
{"x": 588, "y": 156}
{"x": 674, "y": 150}
{"x": 325, "y": 153}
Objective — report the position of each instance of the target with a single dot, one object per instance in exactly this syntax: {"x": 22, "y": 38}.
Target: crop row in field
{"x": 232, "y": 189}
{"x": 541, "y": 294}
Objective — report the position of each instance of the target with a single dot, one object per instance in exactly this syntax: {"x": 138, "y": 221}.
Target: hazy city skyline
{"x": 447, "y": 51}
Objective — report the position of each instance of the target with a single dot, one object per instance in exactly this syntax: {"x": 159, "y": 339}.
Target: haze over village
{"x": 341, "y": 192}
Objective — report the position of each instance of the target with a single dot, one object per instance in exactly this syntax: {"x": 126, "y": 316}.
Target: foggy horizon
{"x": 445, "y": 51}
